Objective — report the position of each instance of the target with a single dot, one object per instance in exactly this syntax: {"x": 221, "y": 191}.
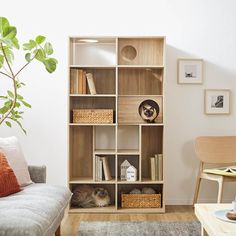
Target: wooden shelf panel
{"x": 141, "y": 210}
{"x": 142, "y": 66}
{"x": 92, "y": 95}
{"x": 94, "y": 66}
{"x": 91, "y": 124}
{"x": 108, "y": 209}
{"x": 128, "y": 152}
{"x": 141, "y": 51}
{"x": 104, "y": 152}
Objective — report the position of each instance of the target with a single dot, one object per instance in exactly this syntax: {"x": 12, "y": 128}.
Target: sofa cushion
{"x": 8, "y": 181}
{"x": 33, "y": 211}
{"x": 12, "y": 150}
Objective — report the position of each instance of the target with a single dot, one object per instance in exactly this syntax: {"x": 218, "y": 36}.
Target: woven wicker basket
{"x": 96, "y": 116}
{"x": 140, "y": 200}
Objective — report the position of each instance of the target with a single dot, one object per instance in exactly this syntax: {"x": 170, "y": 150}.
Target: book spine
{"x": 100, "y": 169}
{"x": 156, "y": 167}
{"x": 80, "y": 81}
{"x": 106, "y": 169}
{"x": 76, "y": 82}
{"x": 160, "y": 167}
{"x": 91, "y": 84}
{"x": 72, "y": 81}
{"x": 152, "y": 169}
{"x": 96, "y": 168}
{"x": 84, "y": 83}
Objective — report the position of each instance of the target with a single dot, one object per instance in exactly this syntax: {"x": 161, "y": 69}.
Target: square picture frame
{"x": 190, "y": 71}
{"x": 217, "y": 101}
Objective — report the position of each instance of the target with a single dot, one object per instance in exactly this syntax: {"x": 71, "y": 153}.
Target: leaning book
{"x": 226, "y": 171}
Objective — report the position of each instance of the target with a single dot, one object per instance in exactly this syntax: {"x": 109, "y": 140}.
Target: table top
{"x": 212, "y": 225}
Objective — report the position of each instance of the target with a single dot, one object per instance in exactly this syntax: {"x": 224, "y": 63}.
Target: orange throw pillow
{"x": 8, "y": 181}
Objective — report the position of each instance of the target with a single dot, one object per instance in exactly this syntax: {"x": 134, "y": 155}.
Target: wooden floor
{"x": 70, "y": 224}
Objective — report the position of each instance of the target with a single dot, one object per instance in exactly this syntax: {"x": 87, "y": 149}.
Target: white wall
{"x": 203, "y": 29}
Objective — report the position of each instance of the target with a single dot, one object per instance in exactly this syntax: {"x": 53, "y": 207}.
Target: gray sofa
{"x": 35, "y": 211}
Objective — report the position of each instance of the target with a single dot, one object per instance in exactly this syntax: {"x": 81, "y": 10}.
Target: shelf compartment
{"x": 112, "y": 166}
{"x": 141, "y": 51}
{"x": 133, "y": 160}
{"x": 129, "y": 106}
{"x": 109, "y": 187}
{"x": 136, "y": 81}
{"x": 152, "y": 143}
{"x": 126, "y": 188}
{"x": 93, "y": 103}
{"x": 128, "y": 139}
{"x": 104, "y": 80}
{"x": 104, "y": 139}
{"x": 102, "y": 52}
{"x": 80, "y": 149}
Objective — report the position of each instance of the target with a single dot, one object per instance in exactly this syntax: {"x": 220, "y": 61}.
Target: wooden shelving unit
{"x": 126, "y": 71}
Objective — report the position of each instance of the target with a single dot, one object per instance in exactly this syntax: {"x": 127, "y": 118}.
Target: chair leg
{"x": 220, "y": 189}
{"x": 196, "y": 190}
{"x": 58, "y": 232}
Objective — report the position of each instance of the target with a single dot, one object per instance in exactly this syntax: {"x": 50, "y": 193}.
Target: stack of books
{"x": 102, "y": 169}
{"x": 156, "y": 167}
{"x": 79, "y": 80}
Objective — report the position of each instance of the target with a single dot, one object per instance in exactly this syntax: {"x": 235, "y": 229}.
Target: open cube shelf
{"x": 126, "y": 71}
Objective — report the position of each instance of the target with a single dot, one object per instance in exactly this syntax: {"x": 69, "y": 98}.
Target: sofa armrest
{"x": 37, "y": 174}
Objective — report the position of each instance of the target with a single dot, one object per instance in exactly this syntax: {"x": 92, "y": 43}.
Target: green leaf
{"x": 30, "y": 45}
{"x": 8, "y": 104}
{"x": 8, "y": 124}
{"x": 48, "y": 48}
{"x": 9, "y": 32}
{"x": 17, "y": 104}
{"x": 40, "y": 55}
{"x": 3, "y": 24}
{"x": 21, "y": 126}
{"x": 28, "y": 57}
{"x": 1, "y": 60}
{"x": 40, "y": 39}
{"x": 19, "y": 97}
{"x": 15, "y": 43}
{"x": 9, "y": 53}
{"x": 50, "y": 64}
{"x": 26, "y": 104}
{"x": 10, "y": 94}
{"x": 3, "y": 97}
{"x": 4, "y": 109}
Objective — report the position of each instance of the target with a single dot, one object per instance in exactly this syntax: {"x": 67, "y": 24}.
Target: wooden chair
{"x": 215, "y": 150}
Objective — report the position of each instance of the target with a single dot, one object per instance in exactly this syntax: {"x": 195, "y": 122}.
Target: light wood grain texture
{"x": 81, "y": 152}
{"x": 210, "y": 224}
{"x": 148, "y": 51}
{"x": 218, "y": 150}
{"x": 136, "y": 81}
{"x": 128, "y": 109}
{"x": 70, "y": 223}
{"x": 121, "y": 85}
{"x": 152, "y": 143}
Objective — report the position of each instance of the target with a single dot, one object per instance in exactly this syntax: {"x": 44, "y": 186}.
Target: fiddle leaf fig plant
{"x": 37, "y": 49}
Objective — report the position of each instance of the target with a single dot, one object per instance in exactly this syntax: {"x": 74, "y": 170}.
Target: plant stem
{"x": 26, "y": 64}
{"x": 5, "y": 116}
{"x": 5, "y": 74}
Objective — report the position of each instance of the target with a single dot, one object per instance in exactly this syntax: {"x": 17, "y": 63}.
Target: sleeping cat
{"x": 86, "y": 196}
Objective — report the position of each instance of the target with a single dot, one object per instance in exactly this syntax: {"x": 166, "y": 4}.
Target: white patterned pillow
{"x": 15, "y": 157}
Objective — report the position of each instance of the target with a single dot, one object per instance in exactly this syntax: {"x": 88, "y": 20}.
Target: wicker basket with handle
{"x": 96, "y": 116}
{"x": 141, "y": 200}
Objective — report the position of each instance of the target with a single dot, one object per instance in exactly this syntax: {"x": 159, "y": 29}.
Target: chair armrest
{"x": 37, "y": 174}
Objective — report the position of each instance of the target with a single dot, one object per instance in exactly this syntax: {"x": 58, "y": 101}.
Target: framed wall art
{"x": 217, "y": 101}
{"x": 190, "y": 71}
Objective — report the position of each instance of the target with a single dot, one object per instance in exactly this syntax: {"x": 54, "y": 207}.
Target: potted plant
{"x": 35, "y": 49}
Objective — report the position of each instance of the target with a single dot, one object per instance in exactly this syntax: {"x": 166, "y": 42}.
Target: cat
{"x": 86, "y": 196}
{"x": 149, "y": 110}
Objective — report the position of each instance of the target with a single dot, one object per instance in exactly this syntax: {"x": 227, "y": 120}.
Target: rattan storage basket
{"x": 140, "y": 200}
{"x": 95, "y": 116}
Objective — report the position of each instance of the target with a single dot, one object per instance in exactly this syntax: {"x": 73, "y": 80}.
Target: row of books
{"x": 156, "y": 167}
{"x": 80, "y": 80}
{"x": 102, "y": 169}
